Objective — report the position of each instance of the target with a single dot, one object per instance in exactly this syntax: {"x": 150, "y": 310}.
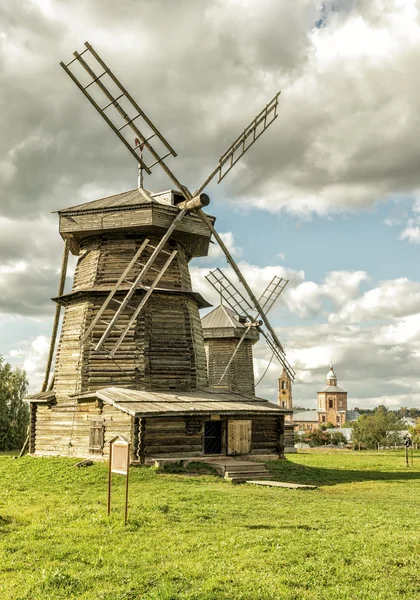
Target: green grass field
{"x": 198, "y": 537}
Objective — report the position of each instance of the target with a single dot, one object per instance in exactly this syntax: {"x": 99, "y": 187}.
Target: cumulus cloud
{"x": 390, "y": 299}
{"x": 32, "y": 356}
{"x": 345, "y": 139}
{"x": 30, "y": 262}
{"x": 228, "y": 239}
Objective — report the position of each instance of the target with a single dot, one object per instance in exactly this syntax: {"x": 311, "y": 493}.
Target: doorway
{"x": 212, "y": 437}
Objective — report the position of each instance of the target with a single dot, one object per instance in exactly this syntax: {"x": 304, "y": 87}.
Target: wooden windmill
{"x": 131, "y": 339}
{"x": 230, "y": 332}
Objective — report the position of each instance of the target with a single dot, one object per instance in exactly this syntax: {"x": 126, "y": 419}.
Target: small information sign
{"x": 120, "y": 456}
{"x": 119, "y": 462}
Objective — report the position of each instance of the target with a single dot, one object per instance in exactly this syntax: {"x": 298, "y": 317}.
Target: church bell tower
{"x": 285, "y": 393}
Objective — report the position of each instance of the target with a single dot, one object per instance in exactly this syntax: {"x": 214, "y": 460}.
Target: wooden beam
{"x": 115, "y": 289}
{"x": 141, "y": 276}
{"x": 61, "y": 286}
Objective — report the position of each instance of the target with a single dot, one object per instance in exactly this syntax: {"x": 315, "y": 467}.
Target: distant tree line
{"x": 14, "y": 413}
{"x": 412, "y": 413}
{"x": 374, "y": 428}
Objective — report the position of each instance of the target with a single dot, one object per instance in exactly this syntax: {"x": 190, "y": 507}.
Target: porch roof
{"x": 203, "y": 401}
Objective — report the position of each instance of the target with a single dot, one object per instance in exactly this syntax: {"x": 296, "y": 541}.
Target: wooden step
{"x": 245, "y": 467}
{"x": 242, "y": 472}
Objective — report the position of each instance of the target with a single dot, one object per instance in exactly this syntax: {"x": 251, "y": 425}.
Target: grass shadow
{"x": 292, "y": 472}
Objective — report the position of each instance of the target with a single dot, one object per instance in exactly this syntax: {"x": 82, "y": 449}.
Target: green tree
{"x": 415, "y": 432}
{"x": 14, "y": 414}
{"x": 371, "y": 430}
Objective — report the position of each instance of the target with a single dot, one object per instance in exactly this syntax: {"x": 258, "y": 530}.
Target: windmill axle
{"x": 195, "y": 203}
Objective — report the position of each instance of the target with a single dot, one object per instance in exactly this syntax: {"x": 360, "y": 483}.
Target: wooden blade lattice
{"x": 240, "y": 305}
{"x": 230, "y": 294}
{"x": 272, "y": 292}
{"x": 121, "y": 111}
{"x": 249, "y": 136}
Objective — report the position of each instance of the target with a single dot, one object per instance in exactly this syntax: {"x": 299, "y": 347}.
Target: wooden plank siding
{"x": 150, "y": 219}
{"x": 65, "y": 430}
{"x": 164, "y": 347}
{"x": 172, "y": 437}
{"x": 240, "y": 375}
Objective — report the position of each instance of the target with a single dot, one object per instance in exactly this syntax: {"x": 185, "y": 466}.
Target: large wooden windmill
{"x": 131, "y": 338}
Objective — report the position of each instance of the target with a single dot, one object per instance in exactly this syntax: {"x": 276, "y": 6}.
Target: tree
{"x": 14, "y": 414}
{"x": 322, "y": 437}
{"x": 371, "y": 430}
{"x": 415, "y": 432}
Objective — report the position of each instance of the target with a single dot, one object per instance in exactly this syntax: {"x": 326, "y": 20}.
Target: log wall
{"x": 64, "y": 430}
{"x": 183, "y": 436}
{"x": 164, "y": 347}
{"x": 240, "y": 375}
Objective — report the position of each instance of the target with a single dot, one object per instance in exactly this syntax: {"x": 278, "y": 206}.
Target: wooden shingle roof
{"x": 203, "y": 401}
{"x": 124, "y": 199}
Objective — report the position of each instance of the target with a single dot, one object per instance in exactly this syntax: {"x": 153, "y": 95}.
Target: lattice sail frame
{"x": 240, "y": 305}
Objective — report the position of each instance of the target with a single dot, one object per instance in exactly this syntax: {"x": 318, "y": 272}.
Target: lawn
{"x": 198, "y": 537}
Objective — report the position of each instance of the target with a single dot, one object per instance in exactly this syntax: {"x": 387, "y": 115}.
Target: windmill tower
{"x": 230, "y": 333}
{"x": 115, "y": 331}
{"x": 222, "y": 330}
{"x": 131, "y": 350}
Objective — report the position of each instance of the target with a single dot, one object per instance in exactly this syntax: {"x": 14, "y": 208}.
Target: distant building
{"x": 332, "y": 408}
{"x": 284, "y": 398}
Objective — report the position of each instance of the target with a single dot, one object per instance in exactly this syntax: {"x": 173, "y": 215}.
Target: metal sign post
{"x": 119, "y": 462}
{"x": 408, "y": 444}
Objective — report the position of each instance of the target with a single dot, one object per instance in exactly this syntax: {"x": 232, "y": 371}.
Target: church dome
{"x": 331, "y": 374}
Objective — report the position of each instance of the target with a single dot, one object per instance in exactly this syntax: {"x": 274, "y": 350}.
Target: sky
{"x": 328, "y": 197}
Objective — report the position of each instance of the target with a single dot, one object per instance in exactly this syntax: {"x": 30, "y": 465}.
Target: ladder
{"x": 272, "y": 292}
{"x": 125, "y": 303}
{"x": 121, "y": 111}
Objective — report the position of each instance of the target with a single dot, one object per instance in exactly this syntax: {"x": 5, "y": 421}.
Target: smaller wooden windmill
{"x": 251, "y": 315}
{"x": 230, "y": 332}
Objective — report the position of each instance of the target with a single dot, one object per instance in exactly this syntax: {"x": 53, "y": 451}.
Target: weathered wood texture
{"x": 164, "y": 347}
{"x": 289, "y": 435}
{"x": 179, "y": 436}
{"x": 239, "y": 436}
{"x": 240, "y": 375}
{"x": 67, "y": 430}
{"x": 150, "y": 219}
{"x": 32, "y": 426}
{"x": 267, "y": 435}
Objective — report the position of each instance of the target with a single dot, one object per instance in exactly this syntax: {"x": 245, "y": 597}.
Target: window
{"x": 330, "y": 403}
{"x": 283, "y": 385}
{"x": 323, "y": 418}
{"x": 96, "y": 440}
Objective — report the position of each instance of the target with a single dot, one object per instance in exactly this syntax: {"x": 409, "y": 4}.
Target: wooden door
{"x": 239, "y": 437}
{"x": 212, "y": 437}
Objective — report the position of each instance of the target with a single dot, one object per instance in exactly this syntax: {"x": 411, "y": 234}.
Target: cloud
{"x": 215, "y": 250}
{"x": 391, "y": 299}
{"x": 344, "y": 138}
{"x": 30, "y": 263}
{"x": 373, "y": 362}
{"x": 32, "y": 356}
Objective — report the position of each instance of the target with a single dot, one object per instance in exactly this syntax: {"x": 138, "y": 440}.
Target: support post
{"x": 62, "y": 283}
{"x": 109, "y": 479}
{"x": 126, "y": 486}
